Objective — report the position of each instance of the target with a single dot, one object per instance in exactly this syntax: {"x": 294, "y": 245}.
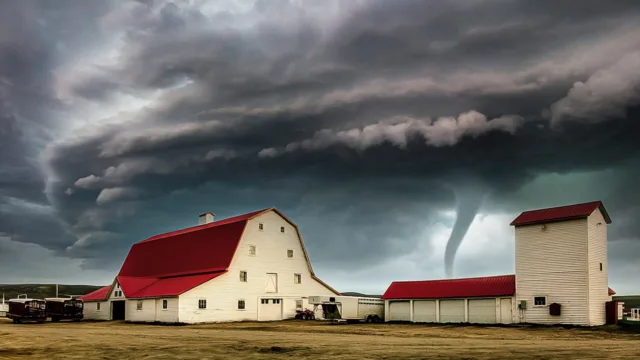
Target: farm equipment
{"x": 305, "y": 314}
{"x": 349, "y": 308}
{"x": 23, "y": 309}
{"x": 64, "y": 309}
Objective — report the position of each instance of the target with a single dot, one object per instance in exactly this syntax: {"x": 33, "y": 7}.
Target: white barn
{"x": 249, "y": 267}
{"x": 561, "y": 277}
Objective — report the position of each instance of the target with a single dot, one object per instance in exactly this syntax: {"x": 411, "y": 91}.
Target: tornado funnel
{"x": 468, "y": 202}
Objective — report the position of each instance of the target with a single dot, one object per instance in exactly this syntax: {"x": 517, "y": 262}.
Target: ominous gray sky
{"x": 365, "y": 121}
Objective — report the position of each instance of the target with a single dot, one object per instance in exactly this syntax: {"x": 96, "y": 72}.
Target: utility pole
{"x": 56, "y": 290}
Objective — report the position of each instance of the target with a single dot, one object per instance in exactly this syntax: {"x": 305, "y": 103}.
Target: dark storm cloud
{"x": 370, "y": 116}
{"x": 33, "y": 35}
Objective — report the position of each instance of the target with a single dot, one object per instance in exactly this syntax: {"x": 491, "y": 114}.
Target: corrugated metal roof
{"x": 490, "y": 286}
{"x": 568, "y": 212}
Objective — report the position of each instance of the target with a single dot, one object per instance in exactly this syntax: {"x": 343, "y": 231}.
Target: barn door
{"x": 272, "y": 283}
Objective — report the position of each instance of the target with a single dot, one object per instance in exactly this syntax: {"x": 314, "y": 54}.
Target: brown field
{"x": 308, "y": 340}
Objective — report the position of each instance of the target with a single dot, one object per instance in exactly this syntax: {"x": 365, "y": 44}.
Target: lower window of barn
{"x": 540, "y": 301}
{"x": 165, "y": 304}
{"x": 241, "y": 304}
{"x": 298, "y": 304}
{"x": 202, "y": 304}
{"x": 98, "y": 306}
{"x": 139, "y": 305}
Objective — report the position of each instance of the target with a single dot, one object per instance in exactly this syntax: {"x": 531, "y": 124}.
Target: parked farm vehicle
{"x": 64, "y": 309}
{"x": 349, "y": 308}
{"x": 23, "y": 309}
{"x": 305, "y": 314}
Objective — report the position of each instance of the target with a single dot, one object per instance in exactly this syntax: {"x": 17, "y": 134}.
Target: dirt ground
{"x": 308, "y": 340}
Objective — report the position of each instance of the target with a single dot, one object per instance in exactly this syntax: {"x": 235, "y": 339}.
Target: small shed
{"x": 635, "y": 314}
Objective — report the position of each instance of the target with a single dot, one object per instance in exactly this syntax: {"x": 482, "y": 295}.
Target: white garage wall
{"x": 425, "y": 311}
{"x": 400, "y": 311}
{"x": 452, "y": 311}
{"x": 455, "y": 310}
{"x": 482, "y": 311}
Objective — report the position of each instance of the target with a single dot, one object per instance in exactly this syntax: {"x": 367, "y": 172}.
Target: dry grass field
{"x": 308, "y": 340}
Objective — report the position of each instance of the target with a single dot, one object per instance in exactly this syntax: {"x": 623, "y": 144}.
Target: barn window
{"x": 260, "y": 226}
{"x": 540, "y": 301}
{"x": 298, "y": 304}
{"x": 252, "y": 249}
{"x": 276, "y": 301}
{"x": 139, "y": 305}
{"x": 281, "y": 229}
{"x": 289, "y": 253}
{"x": 600, "y": 266}
{"x": 243, "y": 276}
{"x": 240, "y": 304}
{"x": 98, "y": 306}
{"x": 264, "y": 301}
{"x": 165, "y": 304}
{"x": 297, "y": 278}
{"x": 202, "y": 304}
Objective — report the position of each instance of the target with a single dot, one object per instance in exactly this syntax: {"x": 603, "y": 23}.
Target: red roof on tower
{"x": 559, "y": 213}
{"x": 504, "y": 285}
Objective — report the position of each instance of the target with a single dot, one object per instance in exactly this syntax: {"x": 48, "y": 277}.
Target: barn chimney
{"x": 206, "y": 218}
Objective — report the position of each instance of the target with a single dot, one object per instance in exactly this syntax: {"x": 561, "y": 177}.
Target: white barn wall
{"x": 598, "y": 280}
{"x": 91, "y": 312}
{"x": 148, "y": 312}
{"x": 222, "y": 293}
{"x": 170, "y": 314}
{"x": 553, "y": 263}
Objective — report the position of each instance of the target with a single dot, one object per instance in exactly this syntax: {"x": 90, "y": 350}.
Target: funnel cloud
{"x": 468, "y": 201}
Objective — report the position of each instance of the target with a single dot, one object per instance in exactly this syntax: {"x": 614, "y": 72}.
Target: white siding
{"x": 170, "y": 314}
{"x": 552, "y": 262}
{"x": 91, "y": 312}
{"x": 598, "y": 279}
{"x": 152, "y": 310}
{"x": 271, "y": 245}
{"x": 147, "y": 313}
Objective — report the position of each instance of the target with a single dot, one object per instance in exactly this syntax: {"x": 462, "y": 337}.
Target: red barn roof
{"x": 99, "y": 294}
{"x": 559, "y": 213}
{"x": 172, "y": 263}
{"x": 504, "y": 285}
{"x": 611, "y": 292}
